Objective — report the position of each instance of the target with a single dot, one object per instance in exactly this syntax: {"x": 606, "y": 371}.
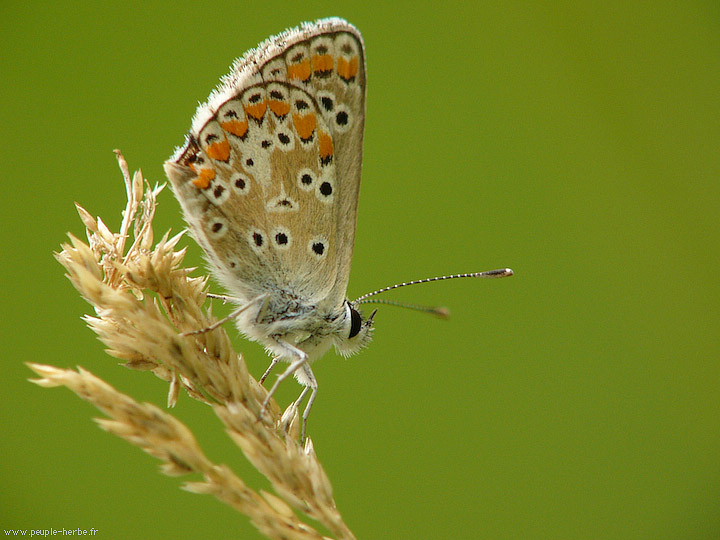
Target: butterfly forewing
{"x": 269, "y": 175}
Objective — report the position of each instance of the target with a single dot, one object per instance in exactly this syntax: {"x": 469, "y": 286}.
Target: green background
{"x": 575, "y": 142}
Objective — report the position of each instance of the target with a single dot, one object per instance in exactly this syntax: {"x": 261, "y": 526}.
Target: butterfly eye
{"x": 355, "y": 322}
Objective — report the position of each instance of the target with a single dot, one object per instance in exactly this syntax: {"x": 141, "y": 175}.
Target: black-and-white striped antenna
{"x": 437, "y": 311}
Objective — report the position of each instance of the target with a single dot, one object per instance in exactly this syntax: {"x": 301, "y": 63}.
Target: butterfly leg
{"x": 274, "y": 361}
{"x": 225, "y": 299}
{"x": 235, "y": 313}
{"x": 313, "y": 387}
{"x": 300, "y": 358}
{"x": 308, "y": 379}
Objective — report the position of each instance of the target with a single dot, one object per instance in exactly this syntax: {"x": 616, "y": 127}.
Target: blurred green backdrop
{"x": 575, "y": 142}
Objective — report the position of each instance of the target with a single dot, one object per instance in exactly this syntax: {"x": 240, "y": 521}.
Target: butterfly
{"x": 268, "y": 180}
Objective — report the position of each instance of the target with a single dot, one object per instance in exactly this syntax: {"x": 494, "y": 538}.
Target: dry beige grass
{"x": 144, "y": 300}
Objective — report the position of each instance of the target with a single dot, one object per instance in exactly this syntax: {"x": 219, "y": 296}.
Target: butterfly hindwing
{"x": 269, "y": 176}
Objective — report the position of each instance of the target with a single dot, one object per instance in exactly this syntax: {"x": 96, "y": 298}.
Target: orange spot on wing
{"x": 236, "y": 127}
{"x": 305, "y": 125}
{"x": 322, "y": 63}
{"x": 280, "y": 108}
{"x": 347, "y": 69}
{"x": 219, "y": 150}
{"x": 300, "y": 71}
{"x": 326, "y": 146}
{"x": 204, "y": 178}
{"x": 256, "y": 110}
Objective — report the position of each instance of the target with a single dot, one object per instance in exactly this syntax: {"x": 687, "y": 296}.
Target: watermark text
{"x": 30, "y": 533}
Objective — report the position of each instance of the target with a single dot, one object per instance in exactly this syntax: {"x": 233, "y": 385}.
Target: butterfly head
{"x": 356, "y": 331}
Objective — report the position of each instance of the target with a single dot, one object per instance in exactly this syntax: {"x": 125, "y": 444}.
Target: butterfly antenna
{"x": 438, "y": 311}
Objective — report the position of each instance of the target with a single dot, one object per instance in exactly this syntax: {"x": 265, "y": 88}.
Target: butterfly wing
{"x": 270, "y": 173}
